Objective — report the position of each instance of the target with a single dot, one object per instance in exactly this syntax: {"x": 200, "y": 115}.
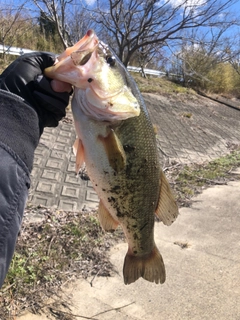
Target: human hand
{"x": 24, "y": 77}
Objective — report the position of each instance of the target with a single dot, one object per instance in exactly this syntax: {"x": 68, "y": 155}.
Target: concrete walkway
{"x": 201, "y": 251}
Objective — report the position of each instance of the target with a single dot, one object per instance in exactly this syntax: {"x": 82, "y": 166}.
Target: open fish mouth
{"x": 91, "y": 66}
{"x": 70, "y": 66}
{"x": 89, "y": 41}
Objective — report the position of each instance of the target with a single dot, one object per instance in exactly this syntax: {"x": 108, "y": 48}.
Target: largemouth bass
{"x": 117, "y": 142}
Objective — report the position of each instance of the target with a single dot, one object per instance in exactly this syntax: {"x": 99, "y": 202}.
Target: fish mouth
{"x": 90, "y": 40}
{"x": 72, "y": 65}
{"x": 91, "y": 66}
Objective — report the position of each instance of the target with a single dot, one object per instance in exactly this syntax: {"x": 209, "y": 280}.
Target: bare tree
{"x": 68, "y": 16}
{"x": 12, "y": 25}
{"x": 147, "y": 56}
{"x": 135, "y": 24}
{"x": 79, "y": 23}
{"x": 57, "y": 11}
{"x": 201, "y": 51}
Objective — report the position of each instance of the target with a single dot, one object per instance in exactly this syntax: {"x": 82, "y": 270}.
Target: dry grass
{"x": 160, "y": 85}
{"x": 62, "y": 247}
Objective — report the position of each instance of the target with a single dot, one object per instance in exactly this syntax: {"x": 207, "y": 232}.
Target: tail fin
{"x": 150, "y": 267}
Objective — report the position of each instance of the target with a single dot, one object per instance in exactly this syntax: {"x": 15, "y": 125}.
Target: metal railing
{"x": 147, "y": 71}
{"x": 13, "y": 50}
{"x": 19, "y": 51}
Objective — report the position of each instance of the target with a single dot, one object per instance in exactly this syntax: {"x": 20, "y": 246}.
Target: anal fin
{"x": 167, "y": 209}
{"x": 106, "y": 220}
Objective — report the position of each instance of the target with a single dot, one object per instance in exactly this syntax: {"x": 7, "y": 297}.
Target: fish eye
{"x": 110, "y": 60}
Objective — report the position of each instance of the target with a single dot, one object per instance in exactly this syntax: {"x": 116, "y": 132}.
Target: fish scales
{"x": 141, "y": 180}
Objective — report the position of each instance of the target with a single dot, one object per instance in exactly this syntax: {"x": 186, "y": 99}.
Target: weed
{"x": 187, "y": 115}
{"x": 189, "y": 180}
{"x": 65, "y": 245}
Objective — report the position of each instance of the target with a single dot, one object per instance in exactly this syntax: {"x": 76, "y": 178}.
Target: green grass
{"x": 214, "y": 170}
{"x": 190, "y": 179}
{"x": 187, "y": 115}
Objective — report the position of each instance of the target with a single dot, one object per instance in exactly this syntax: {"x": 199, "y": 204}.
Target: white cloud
{"x": 90, "y": 2}
{"x": 187, "y": 3}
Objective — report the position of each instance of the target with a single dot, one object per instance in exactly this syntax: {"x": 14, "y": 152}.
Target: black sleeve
{"x": 14, "y": 184}
{"x": 19, "y": 127}
{"x": 20, "y": 130}
{"x": 19, "y": 136}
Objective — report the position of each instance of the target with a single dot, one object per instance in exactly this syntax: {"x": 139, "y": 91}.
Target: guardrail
{"x": 147, "y": 71}
{"x": 19, "y": 51}
{"x": 13, "y": 50}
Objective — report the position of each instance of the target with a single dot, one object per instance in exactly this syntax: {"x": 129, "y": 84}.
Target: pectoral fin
{"x": 78, "y": 151}
{"x": 114, "y": 150}
{"x": 167, "y": 210}
{"x": 106, "y": 220}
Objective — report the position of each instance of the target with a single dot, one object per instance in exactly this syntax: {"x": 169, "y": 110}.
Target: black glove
{"x": 24, "y": 77}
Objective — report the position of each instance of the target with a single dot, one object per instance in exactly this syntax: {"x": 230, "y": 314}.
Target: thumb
{"x": 60, "y": 86}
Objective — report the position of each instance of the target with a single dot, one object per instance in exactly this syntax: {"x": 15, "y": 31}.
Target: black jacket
{"x": 19, "y": 127}
{"x": 19, "y": 136}
{"x": 27, "y": 105}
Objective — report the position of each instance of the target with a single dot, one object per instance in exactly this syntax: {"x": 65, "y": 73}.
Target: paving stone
{"x": 42, "y": 200}
{"x": 47, "y": 137}
{"x": 72, "y": 179}
{"x": 55, "y": 163}
{"x": 51, "y": 174}
{"x": 60, "y": 146}
{"x": 58, "y": 154}
{"x": 41, "y": 159}
{"x": 91, "y": 196}
{"x": 68, "y": 205}
{"x": 71, "y": 167}
{"x": 65, "y": 133}
{"x": 41, "y": 151}
{"x": 46, "y": 187}
{"x": 70, "y": 191}
{"x": 63, "y": 139}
